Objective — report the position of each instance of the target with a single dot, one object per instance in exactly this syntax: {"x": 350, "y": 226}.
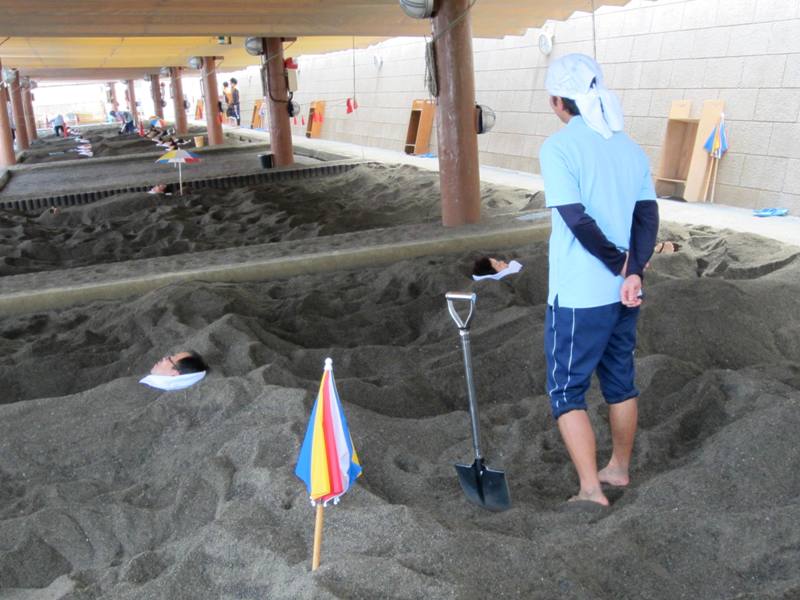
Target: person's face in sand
{"x": 498, "y": 265}
{"x": 167, "y": 365}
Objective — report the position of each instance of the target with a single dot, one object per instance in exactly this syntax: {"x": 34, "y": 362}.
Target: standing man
{"x": 604, "y": 227}
{"x": 58, "y": 124}
{"x": 233, "y": 109}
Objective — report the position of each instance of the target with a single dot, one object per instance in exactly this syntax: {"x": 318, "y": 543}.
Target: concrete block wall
{"x": 745, "y": 52}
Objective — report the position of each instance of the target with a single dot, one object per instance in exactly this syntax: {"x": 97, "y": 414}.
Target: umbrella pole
{"x": 180, "y": 178}
{"x": 714, "y": 179}
{"x": 317, "y": 537}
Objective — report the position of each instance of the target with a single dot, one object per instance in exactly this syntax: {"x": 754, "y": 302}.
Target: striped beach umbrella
{"x": 328, "y": 463}
{"x": 179, "y": 157}
{"x": 717, "y": 143}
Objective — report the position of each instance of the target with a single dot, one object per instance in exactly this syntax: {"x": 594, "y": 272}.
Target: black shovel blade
{"x": 484, "y": 486}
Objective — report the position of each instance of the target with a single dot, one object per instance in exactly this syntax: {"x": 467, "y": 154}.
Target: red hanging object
{"x": 303, "y": 119}
{"x": 349, "y": 106}
{"x": 294, "y": 120}
{"x": 355, "y": 104}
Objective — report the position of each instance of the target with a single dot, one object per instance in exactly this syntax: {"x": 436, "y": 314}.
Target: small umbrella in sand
{"x": 179, "y": 157}
{"x": 328, "y": 463}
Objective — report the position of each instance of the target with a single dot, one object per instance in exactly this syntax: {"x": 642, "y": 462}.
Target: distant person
{"x": 222, "y": 101}
{"x": 233, "y": 109}
{"x": 58, "y": 124}
{"x": 177, "y": 371}
{"x": 128, "y": 125}
{"x": 604, "y": 227}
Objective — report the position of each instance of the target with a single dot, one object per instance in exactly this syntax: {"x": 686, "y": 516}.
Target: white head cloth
{"x": 513, "y": 267}
{"x": 172, "y": 382}
{"x": 578, "y": 77}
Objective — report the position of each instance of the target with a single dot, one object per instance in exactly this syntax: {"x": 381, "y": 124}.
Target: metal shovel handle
{"x": 453, "y": 297}
{"x": 463, "y": 331}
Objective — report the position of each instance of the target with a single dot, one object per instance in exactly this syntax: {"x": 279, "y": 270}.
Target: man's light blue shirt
{"x": 607, "y": 176}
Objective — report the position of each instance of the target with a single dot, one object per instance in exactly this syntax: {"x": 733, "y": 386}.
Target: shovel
{"x": 483, "y": 485}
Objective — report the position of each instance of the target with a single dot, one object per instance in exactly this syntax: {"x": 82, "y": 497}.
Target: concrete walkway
{"x": 784, "y": 229}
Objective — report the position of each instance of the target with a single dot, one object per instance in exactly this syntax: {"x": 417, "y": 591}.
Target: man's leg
{"x": 623, "y": 417}
{"x": 575, "y": 340}
{"x": 616, "y": 374}
{"x": 576, "y": 430}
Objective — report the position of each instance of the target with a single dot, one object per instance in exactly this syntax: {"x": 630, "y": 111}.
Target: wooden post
{"x": 280, "y": 130}
{"x": 112, "y": 96}
{"x": 132, "y": 102}
{"x": 19, "y": 114}
{"x": 317, "y": 537}
{"x": 30, "y": 117}
{"x": 177, "y": 99}
{"x": 459, "y": 173}
{"x": 7, "y": 156}
{"x": 155, "y": 92}
{"x": 210, "y": 101}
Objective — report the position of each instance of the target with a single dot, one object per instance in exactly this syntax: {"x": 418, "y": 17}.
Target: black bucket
{"x": 266, "y": 160}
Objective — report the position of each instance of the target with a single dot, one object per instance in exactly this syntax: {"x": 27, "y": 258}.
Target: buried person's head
{"x": 486, "y": 265}
{"x": 180, "y": 363}
{"x": 176, "y": 371}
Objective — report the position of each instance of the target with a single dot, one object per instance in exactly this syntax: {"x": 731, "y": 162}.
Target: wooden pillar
{"x": 155, "y": 92}
{"x": 177, "y": 99}
{"x": 280, "y": 131}
{"x": 132, "y": 102}
{"x": 459, "y": 174}
{"x": 112, "y": 96}
{"x": 30, "y": 117}
{"x": 210, "y": 100}
{"x": 7, "y": 156}
{"x": 19, "y": 114}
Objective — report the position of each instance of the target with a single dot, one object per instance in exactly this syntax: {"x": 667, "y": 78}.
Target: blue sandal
{"x": 770, "y": 212}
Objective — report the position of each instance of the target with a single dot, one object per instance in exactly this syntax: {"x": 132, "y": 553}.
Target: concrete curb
{"x": 29, "y": 204}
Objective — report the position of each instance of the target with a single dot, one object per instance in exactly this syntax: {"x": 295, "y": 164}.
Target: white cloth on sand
{"x": 513, "y": 267}
{"x": 172, "y": 382}
{"x": 578, "y": 77}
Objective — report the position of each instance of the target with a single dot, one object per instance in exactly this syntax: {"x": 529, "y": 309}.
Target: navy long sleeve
{"x": 589, "y": 234}
{"x": 644, "y": 230}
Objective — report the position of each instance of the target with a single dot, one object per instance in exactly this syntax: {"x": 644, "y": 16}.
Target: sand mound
{"x": 114, "y": 490}
{"x": 138, "y": 225}
{"x": 104, "y": 142}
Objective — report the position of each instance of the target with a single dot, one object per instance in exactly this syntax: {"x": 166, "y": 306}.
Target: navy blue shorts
{"x": 578, "y": 341}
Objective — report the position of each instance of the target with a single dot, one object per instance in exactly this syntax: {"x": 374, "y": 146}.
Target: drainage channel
{"x": 226, "y": 182}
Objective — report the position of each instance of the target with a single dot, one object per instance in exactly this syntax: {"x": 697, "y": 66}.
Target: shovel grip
{"x": 452, "y": 298}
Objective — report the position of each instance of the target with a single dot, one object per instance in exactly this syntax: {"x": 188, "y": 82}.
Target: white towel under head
{"x": 513, "y": 267}
{"x": 172, "y": 382}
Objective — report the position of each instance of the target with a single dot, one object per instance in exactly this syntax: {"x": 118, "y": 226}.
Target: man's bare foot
{"x": 596, "y": 495}
{"x": 615, "y": 476}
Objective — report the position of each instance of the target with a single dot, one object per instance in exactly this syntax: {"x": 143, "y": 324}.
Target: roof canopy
{"x": 49, "y": 38}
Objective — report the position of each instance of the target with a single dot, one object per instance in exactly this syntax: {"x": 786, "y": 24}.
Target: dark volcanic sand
{"x": 104, "y": 142}
{"x": 112, "y": 490}
{"x": 140, "y": 225}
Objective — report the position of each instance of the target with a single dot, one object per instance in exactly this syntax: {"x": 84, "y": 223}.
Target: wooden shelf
{"x": 420, "y": 124}
{"x": 684, "y": 163}
{"x": 314, "y": 125}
